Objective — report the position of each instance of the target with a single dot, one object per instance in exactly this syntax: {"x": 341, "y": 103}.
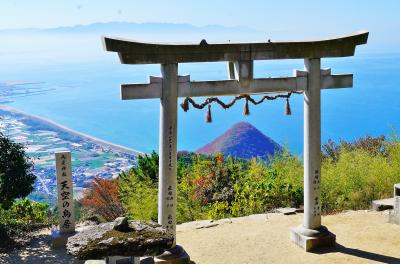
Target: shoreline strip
{"x": 75, "y": 133}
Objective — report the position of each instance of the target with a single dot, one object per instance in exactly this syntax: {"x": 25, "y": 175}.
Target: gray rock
{"x": 286, "y": 211}
{"x": 138, "y": 239}
{"x": 121, "y": 224}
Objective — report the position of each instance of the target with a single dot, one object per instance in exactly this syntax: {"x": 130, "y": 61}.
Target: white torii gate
{"x": 240, "y": 57}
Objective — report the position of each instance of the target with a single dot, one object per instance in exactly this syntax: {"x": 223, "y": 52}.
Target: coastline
{"x": 57, "y": 126}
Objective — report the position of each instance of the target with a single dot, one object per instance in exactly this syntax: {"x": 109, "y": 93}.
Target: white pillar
{"x": 312, "y": 145}
{"x": 167, "y": 151}
{"x": 311, "y": 234}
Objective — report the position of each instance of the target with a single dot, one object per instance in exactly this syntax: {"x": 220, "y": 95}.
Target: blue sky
{"x": 282, "y": 19}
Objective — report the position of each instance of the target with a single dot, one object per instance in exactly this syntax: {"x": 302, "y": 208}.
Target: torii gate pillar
{"x": 168, "y": 162}
{"x": 312, "y": 234}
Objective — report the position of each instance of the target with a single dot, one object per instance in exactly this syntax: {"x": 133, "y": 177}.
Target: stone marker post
{"x": 65, "y": 200}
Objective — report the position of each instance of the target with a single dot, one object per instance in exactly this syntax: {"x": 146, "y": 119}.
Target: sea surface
{"x": 84, "y": 95}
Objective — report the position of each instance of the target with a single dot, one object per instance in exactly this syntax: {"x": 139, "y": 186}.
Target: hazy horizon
{"x": 68, "y": 58}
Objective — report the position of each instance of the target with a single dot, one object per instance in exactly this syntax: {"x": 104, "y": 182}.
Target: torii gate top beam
{"x": 132, "y": 52}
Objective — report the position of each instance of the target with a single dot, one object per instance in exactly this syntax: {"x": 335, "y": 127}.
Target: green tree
{"x": 16, "y": 177}
{"x": 147, "y": 167}
{"x": 138, "y": 196}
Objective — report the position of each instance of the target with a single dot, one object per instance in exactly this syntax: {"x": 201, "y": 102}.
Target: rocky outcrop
{"x": 122, "y": 237}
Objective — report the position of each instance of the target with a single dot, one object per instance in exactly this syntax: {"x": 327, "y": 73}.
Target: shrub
{"x": 358, "y": 177}
{"x": 103, "y": 198}
{"x": 189, "y": 208}
{"x": 17, "y": 222}
{"x": 352, "y": 175}
{"x": 25, "y": 211}
{"x": 147, "y": 167}
{"x": 138, "y": 195}
{"x": 277, "y": 183}
{"x": 372, "y": 145}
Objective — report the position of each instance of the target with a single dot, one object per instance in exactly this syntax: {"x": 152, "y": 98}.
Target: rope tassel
{"x": 246, "y": 110}
{"x": 288, "y": 110}
{"x": 208, "y": 115}
{"x": 185, "y": 105}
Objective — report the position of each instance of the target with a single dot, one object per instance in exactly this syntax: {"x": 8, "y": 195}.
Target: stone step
{"x": 286, "y": 210}
{"x": 383, "y": 204}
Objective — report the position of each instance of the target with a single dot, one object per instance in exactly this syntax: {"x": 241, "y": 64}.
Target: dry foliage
{"x": 103, "y": 198}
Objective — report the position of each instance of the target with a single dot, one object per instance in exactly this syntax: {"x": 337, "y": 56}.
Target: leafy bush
{"x": 25, "y": 211}
{"x": 138, "y": 195}
{"x": 188, "y": 208}
{"x": 22, "y": 218}
{"x": 358, "y": 177}
{"x": 277, "y": 183}
{"x": 103, "y": 198}
{"x": 353, "y": 174}
{"x": 147, "y": 167}
{"x": 372, "y": 145}
{"x": 16, "y": 177}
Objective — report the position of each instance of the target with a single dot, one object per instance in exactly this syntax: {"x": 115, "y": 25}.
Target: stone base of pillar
{"x": 310, "y": 239}
{"x": 59, "y": 240}
{"x": 394, "y": 218}
{"x": 176, "y": 255}
{"x": 116, "y": 260}
{"x": 394, "y": 215}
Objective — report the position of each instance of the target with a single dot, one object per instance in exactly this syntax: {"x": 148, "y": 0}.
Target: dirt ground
{"x": 362, "y": 237}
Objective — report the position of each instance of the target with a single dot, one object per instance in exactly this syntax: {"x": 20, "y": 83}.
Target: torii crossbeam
{"x": 240, "y": 58}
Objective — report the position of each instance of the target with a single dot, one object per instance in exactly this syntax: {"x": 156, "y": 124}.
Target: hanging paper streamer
{"x": 288, "y": 110}
{"x": 208, "y": 115}
{"x": 246, "y": 110}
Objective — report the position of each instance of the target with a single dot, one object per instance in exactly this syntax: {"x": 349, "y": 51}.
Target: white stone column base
{"x": 115, "y": 260}
{"x": 175, "y": 255}
{"x": 312, "y": 239}
{"x": 59, "y": 240}
{"x": 394, "y": 215}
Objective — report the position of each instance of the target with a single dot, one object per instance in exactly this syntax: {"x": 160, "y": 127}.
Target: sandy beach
{"x": 73, "y": 132}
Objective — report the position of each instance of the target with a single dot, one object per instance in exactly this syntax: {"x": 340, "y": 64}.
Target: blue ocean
{"x": 84, "y": 95}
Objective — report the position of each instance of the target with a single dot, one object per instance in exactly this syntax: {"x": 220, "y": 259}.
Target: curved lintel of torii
{"x": 134, "y": 52}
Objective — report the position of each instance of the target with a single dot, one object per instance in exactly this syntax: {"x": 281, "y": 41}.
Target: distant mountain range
{"x": 155, "y": 31}
{"x": 242, "y": 141}
{"x": 84, "y": 41}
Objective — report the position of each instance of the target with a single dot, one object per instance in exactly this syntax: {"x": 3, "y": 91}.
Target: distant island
{"x": 242, "y": 140}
